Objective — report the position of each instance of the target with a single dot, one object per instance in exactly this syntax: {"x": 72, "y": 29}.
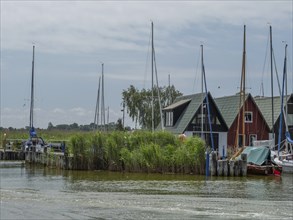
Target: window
{"x": 240, "y": 140}
{"x": 169, "y": 119}
{"x": 198, "y": 119}
{"x": 248, "y": 117}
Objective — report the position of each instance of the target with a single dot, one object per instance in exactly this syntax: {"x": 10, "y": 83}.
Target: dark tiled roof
{"x": 176, "y": 104}
{"x": 265, "y": 106}
{"x": 188, "y": 113}
{"x": 229, "y": 107}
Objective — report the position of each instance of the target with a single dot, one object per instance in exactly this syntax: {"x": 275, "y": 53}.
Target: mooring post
{"x": 225, "y": 167}
{"x": 231, "y": 166}
{"x": 220, "y": 167}
{"x": 240, "y": 162}
{"x": 244, "y": 164}
{"x": 213, "y": 163}
{"x": 236, "y": 168}
{"x": 207, "y": 163}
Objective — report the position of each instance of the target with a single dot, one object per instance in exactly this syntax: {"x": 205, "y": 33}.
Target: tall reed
{"x": 140, "y": 151}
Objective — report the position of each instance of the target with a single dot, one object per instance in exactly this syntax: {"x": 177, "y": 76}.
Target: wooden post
{"x": 213, "y": 163}
{"x": 225, "y": 168}
{"x": 220, "y": 167}
{"x": 240, "y": 167}
{"x": 231, "y": 166}
{"x": 244, "y": 164}
{"x": 236, "y": 168}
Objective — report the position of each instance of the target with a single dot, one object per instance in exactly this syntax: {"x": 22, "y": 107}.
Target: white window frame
{"x": 248, "y": 121}
{"x": 169, "y": 119}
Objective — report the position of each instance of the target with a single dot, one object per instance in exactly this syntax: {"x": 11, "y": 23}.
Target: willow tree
{"x": 138, "y": 104}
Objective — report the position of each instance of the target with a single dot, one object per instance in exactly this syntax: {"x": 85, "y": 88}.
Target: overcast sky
{"x": 72, "y": 38}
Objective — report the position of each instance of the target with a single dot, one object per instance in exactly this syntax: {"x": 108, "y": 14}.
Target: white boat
{"x": 283, "y": 161}
{"x": 283, "y": 157}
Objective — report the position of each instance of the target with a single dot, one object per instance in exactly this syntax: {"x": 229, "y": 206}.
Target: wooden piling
{"x": 244, "y": 164}
{"x": 225, "y": 168}
{"x": 240, "y": 167}
{"x": 213, "y": 163}
{"x": 220, "y": 167}
{"x": 231, "y": 166}
{"x": 236, "y": 168}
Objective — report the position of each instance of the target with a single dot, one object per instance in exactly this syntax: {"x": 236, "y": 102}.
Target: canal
{"x": 29, "y": 192}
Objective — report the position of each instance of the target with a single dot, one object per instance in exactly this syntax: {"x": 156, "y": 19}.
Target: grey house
{"x": 265, "y": 105}
{"x": 188, "y": 115}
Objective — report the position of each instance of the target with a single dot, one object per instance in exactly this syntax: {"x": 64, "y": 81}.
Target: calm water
{"x": 40, "y": 193}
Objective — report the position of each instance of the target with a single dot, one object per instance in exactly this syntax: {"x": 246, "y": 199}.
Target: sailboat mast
{"x": 207, "y": 103}
{"x": 272, "y": 84}
{"x": 103, "y": 123}
{"x": 32, "y": 92}
{"x": 202, "y": 136}
{"x": 242, "y": 95}
{"x": 96, "y": 121}
{"x": 170, "y": 94}
{"x": 243, "y": 88}
{"x": 153, "y": 125}
{"x": 282, "y": 102}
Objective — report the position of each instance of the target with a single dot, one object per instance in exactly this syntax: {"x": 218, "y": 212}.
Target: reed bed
{"x": 139, "y": 151}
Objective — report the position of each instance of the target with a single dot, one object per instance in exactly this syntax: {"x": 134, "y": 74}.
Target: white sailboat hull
{"x": 287, "y": 165}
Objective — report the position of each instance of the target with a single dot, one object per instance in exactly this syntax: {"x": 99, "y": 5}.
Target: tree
{"x": 74, "y": 126}
{"x": 139, "y": 104}
{"x": 50, "y": 126}
{"x": 119, "y": 125}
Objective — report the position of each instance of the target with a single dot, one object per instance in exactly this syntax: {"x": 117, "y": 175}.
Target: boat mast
{"x": 158, "y": 90}
{"x": 242, "y": 95}
{"x": 32, "y": 92}
{"x": 272, "y": 85}
{"x": 202, "y": 136}
{"x": 96, "y": 120}
{"x": 170, "y": 94}
{"x": 282, "y": 102}
{"x": 153, "y": 126}
{"x": 207, "y": 102}
{"x": 103, "y": 123}
{"x": 243, "y": 88}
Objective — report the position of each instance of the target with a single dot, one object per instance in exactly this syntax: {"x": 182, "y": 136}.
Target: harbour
{"x": 35, "y": 192}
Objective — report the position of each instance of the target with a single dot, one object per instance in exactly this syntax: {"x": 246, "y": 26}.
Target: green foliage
{"x": 139, "y": 103}
{"x": 79, "y": 145}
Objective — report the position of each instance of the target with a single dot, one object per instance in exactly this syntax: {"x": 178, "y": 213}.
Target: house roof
{"x": 265, "y": 105}
{"x": 187, "y": 115}
{"x": 177, "y": 104}
{"x": 229, "y": 107}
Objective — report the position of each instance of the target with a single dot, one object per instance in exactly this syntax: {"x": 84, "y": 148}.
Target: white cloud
{"x": 72, "y": 37}
{"x": 93, "y": 25}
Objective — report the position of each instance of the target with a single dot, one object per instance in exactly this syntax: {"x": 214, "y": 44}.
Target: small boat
{"x": 258, "y": 160}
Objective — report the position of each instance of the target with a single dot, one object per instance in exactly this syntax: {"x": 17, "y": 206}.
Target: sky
{"x": 73, "y": 38}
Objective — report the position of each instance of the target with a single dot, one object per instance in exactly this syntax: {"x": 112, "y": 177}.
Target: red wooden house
{"x": 255, "y": 125}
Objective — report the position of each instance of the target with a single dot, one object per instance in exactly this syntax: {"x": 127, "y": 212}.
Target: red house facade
{"x": 255, "y": 125}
